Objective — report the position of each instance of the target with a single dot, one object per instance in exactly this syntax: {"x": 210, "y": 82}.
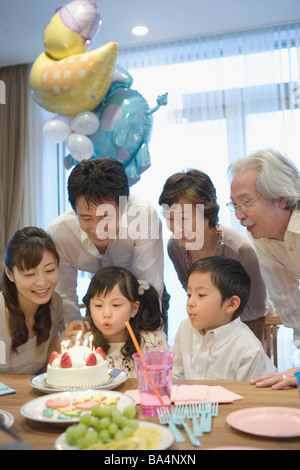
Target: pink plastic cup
{"x": 159, "y": 369}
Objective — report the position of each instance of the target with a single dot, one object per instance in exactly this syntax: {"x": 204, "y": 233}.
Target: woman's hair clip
{"x": 143, "y": 285}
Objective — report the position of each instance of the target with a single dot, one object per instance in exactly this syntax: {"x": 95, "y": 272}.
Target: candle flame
{"x": 78, "y": 335}
{"x": 91, "y": 343}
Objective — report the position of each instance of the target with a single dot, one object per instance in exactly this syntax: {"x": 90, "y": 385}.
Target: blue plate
{"x": 8, "y": 418}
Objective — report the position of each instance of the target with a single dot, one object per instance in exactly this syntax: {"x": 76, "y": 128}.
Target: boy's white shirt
{"x": 230, "y": 352}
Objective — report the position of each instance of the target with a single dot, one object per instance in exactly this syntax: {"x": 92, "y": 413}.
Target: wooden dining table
{"x": 43, "y": 435}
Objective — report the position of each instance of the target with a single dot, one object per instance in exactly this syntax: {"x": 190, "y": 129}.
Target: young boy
{"x": 213, "y": 343}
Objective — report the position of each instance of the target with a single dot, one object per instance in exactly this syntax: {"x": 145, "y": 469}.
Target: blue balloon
{"x": 125, "y": 129}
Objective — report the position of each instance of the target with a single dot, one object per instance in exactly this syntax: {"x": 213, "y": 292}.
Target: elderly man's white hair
{"x": 278, "y": 177}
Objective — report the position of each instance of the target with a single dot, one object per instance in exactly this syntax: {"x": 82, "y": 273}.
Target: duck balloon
{"x": 66, "y": 79}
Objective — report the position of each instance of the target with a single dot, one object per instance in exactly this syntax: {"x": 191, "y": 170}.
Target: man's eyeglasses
{"x": 243, "y": 206}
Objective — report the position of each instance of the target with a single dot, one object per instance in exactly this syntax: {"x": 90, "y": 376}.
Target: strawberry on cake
{"x": 77, "y": 367}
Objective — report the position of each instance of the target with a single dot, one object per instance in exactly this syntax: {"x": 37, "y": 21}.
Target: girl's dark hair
{"x": 195, "y": 186}
{"x": 98, "y": 180}
{"x": 25, "y": 251}
{"x": 148, "y": 317}
{"x": 228, "y": 276}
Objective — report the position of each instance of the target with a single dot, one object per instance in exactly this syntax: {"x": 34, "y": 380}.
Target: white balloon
{"x": 80, "y": 147}
{"x": 56, "y": 131}
{"x": 85, "y": 123}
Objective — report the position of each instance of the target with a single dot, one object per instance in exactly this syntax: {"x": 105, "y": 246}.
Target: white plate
{"x": 269, "y": 421}
{"x": 34, "y": 409}
{"x": 38, "y": 382}
{"x": 7, "y": 418}
{"x": 166, "y": 440}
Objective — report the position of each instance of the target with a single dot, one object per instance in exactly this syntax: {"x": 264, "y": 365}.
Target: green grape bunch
{"x": 102, "y": 424}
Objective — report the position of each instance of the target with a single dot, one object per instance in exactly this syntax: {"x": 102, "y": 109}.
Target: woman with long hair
{"x": 30, "y": 309}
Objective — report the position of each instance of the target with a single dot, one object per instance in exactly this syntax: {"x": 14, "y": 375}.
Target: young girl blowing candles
{"x": 115, "y": 296}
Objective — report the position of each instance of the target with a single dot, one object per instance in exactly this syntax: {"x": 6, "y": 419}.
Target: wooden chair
{"x": 270, "y": 337}
{"x": 265, "y": 328}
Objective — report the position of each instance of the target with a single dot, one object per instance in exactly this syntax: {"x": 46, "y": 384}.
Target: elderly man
{"x": 265, "y": 196}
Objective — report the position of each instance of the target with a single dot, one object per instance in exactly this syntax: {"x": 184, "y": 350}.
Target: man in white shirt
{"x": 265, "y": 194}
{"x": 213, "y": 343}
{"x": 106, "y": 226}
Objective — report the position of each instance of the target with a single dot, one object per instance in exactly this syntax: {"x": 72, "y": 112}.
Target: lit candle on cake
{"x": 63, "y": 346}
{"x": 91, "y": 342}
{"x": 77, "y": 338}
{"x": 85, "y": 346}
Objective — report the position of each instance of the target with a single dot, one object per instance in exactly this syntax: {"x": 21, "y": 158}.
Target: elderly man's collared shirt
{"x": 280, "y": 267}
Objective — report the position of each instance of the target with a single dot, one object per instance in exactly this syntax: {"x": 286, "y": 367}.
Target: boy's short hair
{"x": 228, "y": 276}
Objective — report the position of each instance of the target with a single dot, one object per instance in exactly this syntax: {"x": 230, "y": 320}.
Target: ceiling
{"x": 22, "y": 23}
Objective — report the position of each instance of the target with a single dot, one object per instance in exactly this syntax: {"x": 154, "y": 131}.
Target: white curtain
{"x": 45, "y": 176}
{"x": 228, "y": 94}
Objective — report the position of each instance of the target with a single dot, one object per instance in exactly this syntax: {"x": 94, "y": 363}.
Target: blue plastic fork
{"x": 165, "y": 417}
{"x": 208, "y": 411}
{"x": 192, "y": 412}
{"x": 179, "y": 418}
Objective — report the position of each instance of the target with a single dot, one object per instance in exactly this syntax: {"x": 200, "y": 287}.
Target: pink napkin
{"x": 194, "y": 393}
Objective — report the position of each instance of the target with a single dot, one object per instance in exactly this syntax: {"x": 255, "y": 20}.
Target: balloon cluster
{"x": 61, "y": 128}
{"x": 97, "y": 112}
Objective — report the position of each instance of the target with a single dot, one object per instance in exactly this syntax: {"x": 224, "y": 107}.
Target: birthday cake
{"x": 77, "y": 367}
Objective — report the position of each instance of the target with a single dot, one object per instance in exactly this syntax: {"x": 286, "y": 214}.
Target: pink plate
{"x": 267, "y": 421}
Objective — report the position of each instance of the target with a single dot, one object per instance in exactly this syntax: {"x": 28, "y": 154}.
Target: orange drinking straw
{"x": 144, "y": 363}
{"x": 137, "y": 347}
